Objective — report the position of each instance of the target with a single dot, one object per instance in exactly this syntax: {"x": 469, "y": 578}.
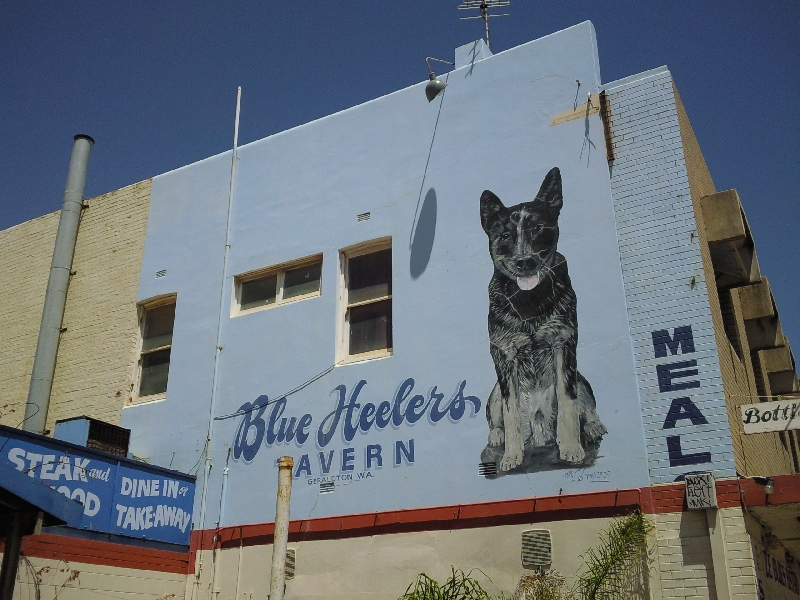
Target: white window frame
{"x": 343, "y": 325}
{"x": 280, "y": 271}
{"x": 142, "y": 309}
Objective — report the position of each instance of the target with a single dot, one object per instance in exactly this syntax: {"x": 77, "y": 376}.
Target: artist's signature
{"x": 578, "y": 475}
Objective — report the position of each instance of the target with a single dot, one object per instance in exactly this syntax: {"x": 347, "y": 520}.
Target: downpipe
{"x": 44, "y": 362}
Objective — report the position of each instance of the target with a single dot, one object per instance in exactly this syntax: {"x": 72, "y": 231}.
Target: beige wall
{"x": 97, "y": 352}
{"x": 26, "y": 250}
{"x": 47, "y": 579}
{"x": 382, "y": 567}
{"x": 754, "y": 454}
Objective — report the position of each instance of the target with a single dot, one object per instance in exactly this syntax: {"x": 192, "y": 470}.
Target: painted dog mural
{"x": 541, "y": 413}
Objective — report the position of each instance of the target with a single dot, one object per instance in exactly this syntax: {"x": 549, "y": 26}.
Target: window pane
{"x": 158, "y": 323}
{"x": 303, "y": 280}
{"x": 371, "y": 327}
{"x": 155, "y": 370}
{"x": 369, "y": 276}
{"x": 259, "y": 292}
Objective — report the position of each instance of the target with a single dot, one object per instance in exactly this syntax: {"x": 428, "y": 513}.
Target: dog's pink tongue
{"x": 528, "y": 283}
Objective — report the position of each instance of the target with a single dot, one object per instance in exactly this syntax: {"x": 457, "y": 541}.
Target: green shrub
{"x": 614, "y": 570}
{"x": 542, "y": 586}
{"x": 459, "y": 586}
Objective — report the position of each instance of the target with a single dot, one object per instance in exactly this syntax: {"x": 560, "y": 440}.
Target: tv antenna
{"x": 483, "y": 6}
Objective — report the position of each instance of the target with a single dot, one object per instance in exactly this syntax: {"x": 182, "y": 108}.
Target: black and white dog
{"x": 540, "y": 398}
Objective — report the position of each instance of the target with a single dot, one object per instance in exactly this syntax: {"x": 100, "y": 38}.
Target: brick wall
{"x": 97, "y": 355}
{"x": 663, "y": 275}
{"x": 683, "y": 554}
{"x": 754, "y": 454}
{"x": 97, "y": 352}
{"x": 739, "y": 555}
{"x": 26, "y": 249}
{"x": 684, "y": 559}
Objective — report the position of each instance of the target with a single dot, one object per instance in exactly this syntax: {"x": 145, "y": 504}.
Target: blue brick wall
{"x": 665, "y": 286}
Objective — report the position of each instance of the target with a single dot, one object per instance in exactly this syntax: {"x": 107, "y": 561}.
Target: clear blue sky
{"x": 155, "y": 84}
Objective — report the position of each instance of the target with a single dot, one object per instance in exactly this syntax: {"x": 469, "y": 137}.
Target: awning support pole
{"x": 8, "y": 571}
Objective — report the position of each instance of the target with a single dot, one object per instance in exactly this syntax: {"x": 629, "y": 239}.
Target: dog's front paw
{"x": 594, "y": 430}
{"x": 496, "y": 437}
{"x": 571, "y": 453}
{"x": 511, "y": 458}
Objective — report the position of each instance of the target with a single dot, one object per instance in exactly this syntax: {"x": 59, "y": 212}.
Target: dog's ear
{"x": 491, "y": 206}
{"x": 550, "y": 192}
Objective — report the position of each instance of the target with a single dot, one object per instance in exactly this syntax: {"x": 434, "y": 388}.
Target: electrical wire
{"x": 319, "y": 375}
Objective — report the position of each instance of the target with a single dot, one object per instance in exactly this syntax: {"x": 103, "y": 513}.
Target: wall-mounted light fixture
{"x": 767, "y": 482}
{"x": 434, "y": 86}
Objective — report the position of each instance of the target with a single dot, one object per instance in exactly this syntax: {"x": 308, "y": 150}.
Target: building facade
{"x": 462, "y": 329}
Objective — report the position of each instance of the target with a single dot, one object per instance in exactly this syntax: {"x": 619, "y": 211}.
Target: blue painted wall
{"x": 419, "y": 169}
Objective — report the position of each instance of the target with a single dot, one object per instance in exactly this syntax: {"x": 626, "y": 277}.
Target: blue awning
{"x": 20, "y": 493}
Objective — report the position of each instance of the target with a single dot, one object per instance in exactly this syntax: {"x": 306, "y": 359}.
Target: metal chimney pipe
{"x": 44, "y": 363}
{"x": 281, "y": 536}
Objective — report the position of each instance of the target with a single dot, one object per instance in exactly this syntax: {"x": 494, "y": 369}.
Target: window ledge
{"x": 365, "y": 357}
{"x": 238, "y": 312}
{"x": 145, "y": 400}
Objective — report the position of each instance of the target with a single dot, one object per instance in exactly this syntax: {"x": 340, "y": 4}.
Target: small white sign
{"x": 771, "y": 416}
{"x": 701, "y": 491}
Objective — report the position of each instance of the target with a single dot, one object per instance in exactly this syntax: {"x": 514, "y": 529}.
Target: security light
{"x": 434, "y": 86}
{"x": 767, "y": 482}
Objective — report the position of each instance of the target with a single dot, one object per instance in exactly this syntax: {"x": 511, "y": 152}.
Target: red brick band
{"x": 92, "y": 552}
{"x": 652, "y": 500}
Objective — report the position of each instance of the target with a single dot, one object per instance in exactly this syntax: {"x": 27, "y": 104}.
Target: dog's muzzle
{"x": 527, "y": 282}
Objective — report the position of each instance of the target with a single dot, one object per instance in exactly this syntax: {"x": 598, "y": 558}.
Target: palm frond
{"x": 612, "y": 569}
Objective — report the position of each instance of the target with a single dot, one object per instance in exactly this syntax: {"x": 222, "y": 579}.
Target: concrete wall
{"x": 26, "y": 250}
{"x": 681, "y": 560}
{"x": 419, "y": 169}
{"x": 54, "y": 566}
{"x": 48, "y": 579}
{"x": 754, "y": 454}
{"x": 381, "y": 567}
